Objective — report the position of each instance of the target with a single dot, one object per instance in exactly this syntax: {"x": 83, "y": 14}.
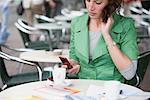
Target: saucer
{"x": 64, "y": 84}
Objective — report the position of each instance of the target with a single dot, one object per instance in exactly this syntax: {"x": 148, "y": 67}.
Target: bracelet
{"x": 111, "y": 45}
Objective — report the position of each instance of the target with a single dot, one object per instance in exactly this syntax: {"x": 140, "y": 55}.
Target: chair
{"x": 26, "y": 31}
{"x": 44, "y": 19}
{"x": 17, "y": 79}
{"x": 142, "y": 19}
{"x": 142, "y": 11}
{"x": 143, "y": 63}
{"x": 16, "y": 49}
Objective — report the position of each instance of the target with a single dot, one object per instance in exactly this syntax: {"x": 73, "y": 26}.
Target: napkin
{"x": 79, "y": 96}
{"x": 89, "y": 95}
{"x": 22, "y": 98}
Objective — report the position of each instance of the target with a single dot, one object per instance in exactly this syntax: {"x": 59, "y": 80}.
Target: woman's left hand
{"x": 74, "y": 70}
{"x": 75, "y": 67}
{"x": 105, "y": 27}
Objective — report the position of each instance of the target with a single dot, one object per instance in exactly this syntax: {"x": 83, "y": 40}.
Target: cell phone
{"x": 65, "y": 61}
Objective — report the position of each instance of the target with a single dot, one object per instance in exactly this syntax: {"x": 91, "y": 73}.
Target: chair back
{"x": 3, "y": 71}
{"x": 143, "y": 63}
{"x": 13, "y": 80}
{"x": 25, "y": 30}
{"x": 24, "y": 34}
{"x": 44, "y": 19}
{"x": 26, "y": 25}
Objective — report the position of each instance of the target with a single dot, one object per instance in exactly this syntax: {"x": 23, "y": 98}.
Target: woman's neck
{"x": 94, "y": 25}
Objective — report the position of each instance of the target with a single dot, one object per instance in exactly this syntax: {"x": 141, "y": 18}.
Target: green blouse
{"x": 102, "y": 67}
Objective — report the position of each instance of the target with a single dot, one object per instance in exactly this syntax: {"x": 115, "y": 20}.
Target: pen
{"x": 121, "y": 92}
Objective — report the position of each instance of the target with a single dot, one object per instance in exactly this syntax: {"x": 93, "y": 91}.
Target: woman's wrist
{"x": 108, "y": 40}
{"x": 111, "y": 44}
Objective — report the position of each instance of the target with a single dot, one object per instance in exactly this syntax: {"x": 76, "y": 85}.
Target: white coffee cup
{"x": 112, "y": 90}
{"x": 59, "y": 75}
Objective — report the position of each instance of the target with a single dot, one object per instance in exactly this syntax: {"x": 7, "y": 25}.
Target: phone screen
{"x": 66, "y": 62}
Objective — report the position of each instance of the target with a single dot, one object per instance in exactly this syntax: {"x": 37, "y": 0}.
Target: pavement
{"x": 15, "y": 41}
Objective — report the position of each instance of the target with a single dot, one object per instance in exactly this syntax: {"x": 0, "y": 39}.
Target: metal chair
{"x": 25, "y": 32}
{"x": 17, "y": 79}
{"x": 16, "y": 50}
{"x": 143, "y": 63}
{"x": 44, "y": 19}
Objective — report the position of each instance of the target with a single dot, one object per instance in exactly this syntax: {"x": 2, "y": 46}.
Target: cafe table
{"x": 42, "y": 56}
{"x": 52, "y": 26}
{"x": 62, "y": 26}
{"x": 62, "y": 18}
{"x": 43, "y": 90}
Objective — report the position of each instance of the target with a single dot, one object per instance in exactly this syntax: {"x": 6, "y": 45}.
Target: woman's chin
{"x": 93, "y": 17}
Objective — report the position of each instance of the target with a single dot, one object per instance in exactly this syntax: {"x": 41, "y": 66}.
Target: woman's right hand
{"x": 75, "y": 67}
{"x": 52, "y": 4}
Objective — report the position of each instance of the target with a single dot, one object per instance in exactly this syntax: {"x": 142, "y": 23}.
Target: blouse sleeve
{"x": 130, "y": 71}
{"x": 129, "y": 40}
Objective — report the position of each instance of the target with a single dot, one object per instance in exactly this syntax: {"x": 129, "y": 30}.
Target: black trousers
{"x": 145, "y": 4}
{"x": 51, "y": 12}
{"x": 47, "y": 9}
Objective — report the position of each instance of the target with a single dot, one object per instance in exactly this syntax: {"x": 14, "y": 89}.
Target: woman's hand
{"x": 105, "y": 27}
{"x": 52, "y": 4}
{"x": 75, "y": 69}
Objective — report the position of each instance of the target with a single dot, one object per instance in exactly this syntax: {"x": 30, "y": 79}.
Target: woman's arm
{"x": 121, "y": 58}
{"x": 130, "y": 71}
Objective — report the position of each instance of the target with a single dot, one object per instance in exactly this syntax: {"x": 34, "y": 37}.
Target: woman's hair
{"x": 113, "y": 5}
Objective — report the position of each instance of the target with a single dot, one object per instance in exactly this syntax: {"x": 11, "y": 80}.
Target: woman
{"x": 4, "y": 18}
{"x": 33, "y": 7}
{"x": 103, "y": 44}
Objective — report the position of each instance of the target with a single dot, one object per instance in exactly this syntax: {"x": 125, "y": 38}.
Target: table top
{"x": 44, "y": 91}
{"x": 62, "y": 18}
{"x": 71, "y": 14}
{"x": 53, "y": 26}
{"x": 42, "y": 56}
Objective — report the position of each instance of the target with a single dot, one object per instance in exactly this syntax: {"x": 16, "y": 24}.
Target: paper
{"x": 22, "y": 98}
{"x": 98, "y": 91}
{"x": 56, "y": 90}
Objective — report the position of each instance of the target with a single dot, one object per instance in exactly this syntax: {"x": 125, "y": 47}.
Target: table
{"x": 53, "y": 26}
{"x": 71, "y": 14}
{"x": 36, "y": 90}
{"x": 41, "y": 56}
{"x": 62, "y": 18}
